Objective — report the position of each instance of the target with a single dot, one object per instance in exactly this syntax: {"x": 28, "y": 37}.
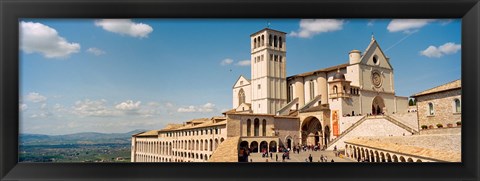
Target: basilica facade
{"x": 326, "y": 101}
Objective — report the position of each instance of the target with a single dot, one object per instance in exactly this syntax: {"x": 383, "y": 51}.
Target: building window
{"x": 255, "y": 43}
{"x": 256, "y": 126}
{"x": 312, "y": 89}
{"x": 431, "y": 111}
{"x": 249, "y": 124}
{"x": 263, "y": 41}
{"x": 241, "y": 97}
{"x": 275, "y": 41}
{"x": 270, "y": 40}
{"x": 335, "y": 89}
{"x": 375, "y": 60}
{"x": 264, "y": 127}
{"x": 280, "y": 59}
{"x": 259, "y": 86}
{"x": 458, "y": 107}
{"x": 280, "y": 42}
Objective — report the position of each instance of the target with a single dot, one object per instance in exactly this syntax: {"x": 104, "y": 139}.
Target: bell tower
{"x": 268, "y": 61}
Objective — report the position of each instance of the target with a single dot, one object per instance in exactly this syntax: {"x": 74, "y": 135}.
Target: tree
{"x": 410, "y": 103}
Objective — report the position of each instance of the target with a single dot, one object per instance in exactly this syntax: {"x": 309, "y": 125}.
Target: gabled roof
{"x": 374, "y": 42}
{"x": 456, "y": 84}
{"x": 328, "y": 69}
{"x": 240, "y": 77}
{"x": 148, "y": 133}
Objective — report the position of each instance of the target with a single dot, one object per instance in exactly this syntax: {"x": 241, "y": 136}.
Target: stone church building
{"x": 272, "y": 111}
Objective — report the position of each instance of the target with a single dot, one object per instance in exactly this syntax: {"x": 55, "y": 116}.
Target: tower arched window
{"x": 280, "y": 42}
{"x": 263, "y": 41}
{"x": 458, "y": 107}
{"x": 241, "y": 97}
{"x": 258, "y": 41}
{"x": 254, "y": 42}
{"x": 275, "y": 41}
{"x": 431, "y": 110}
{"x": 335, "y": 89}
{"x": 270, "y": 40}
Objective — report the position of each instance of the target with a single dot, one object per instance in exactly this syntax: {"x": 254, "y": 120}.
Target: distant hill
{"x": 77, "y": 138}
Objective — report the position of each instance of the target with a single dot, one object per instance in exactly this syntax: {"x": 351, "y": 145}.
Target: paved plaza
{"x": 294, "y": 157}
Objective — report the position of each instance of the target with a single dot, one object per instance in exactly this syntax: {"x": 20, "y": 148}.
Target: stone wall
{"x": 372, "y": 127}
{"x": 454, "y": 130}
{"x": 444, "y": 110}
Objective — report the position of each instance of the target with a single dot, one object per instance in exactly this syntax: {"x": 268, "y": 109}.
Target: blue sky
{"x": 99, "y": 75}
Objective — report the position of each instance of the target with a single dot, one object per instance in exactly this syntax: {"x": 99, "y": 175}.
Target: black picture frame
{"x": 12, "y": 10}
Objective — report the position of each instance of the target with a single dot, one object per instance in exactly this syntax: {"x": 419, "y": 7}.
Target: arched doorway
{"x": 264, "y": 146}
{"x": 254, "y": 146}
{"x": 289, "y": 142}
{"x": 273, "y": 146}
{"x": 311, "y": 131}
{"x": 378, "y": 105}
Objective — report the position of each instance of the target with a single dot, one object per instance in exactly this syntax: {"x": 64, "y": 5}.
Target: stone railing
{"x": 285, "y": 110}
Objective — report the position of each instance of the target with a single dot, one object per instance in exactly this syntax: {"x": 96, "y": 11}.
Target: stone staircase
{"x": 227, "y": 151}
{"x": 388, "y": 118}
{"x": 285, "y": 110}
{"x": 400, "y": 124}
{"x": 310, "y": 103}
{"x": 360, "y": 121}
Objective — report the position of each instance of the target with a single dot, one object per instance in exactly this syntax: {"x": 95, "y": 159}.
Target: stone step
{"x": 227, "y": 151}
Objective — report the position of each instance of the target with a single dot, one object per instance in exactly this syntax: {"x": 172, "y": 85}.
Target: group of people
{"x": 322, "y": 159}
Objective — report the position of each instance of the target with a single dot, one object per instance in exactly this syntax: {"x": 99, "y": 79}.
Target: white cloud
{"x": 39, "y": 38}
{"x": 125, "y": 27}
{"x": 371, "y": 22}
{"x": 35, "y": 97}
{"x": 311, "y": 27}
{"x": 450, "y": 48}
{"x": 208, "y": 107}
{"x": 41, "y": 115}
{"x": 187, "y": 109}
{"x": 244, "y": 63}
{"x": 407, "y": 25}
{"x": 96, "y": 51}
{"x": 94, "y": 108}
{"x": 22, "y": 107}
{"x": 437, "y": 52}
{"x": 128, "y": 105}
{"x": 226, "y": 61}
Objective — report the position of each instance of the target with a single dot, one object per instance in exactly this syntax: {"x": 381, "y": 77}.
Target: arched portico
{"x": 311, "y": 131}
{"x": 378, "y": 105}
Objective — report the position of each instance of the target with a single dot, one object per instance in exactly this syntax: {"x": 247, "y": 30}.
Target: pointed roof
{"x": 373, "y": 41}
{"x": 239, "y": 77}
{"x": 456, "y": 84}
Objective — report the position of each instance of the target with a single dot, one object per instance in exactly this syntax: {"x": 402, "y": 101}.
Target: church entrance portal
{"x": 378, "y": 106}
{"x": 311, "y": 131}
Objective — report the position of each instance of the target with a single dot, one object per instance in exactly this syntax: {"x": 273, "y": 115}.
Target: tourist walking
{"x": 310, "y": 158}
{"x": 276, "y": 157}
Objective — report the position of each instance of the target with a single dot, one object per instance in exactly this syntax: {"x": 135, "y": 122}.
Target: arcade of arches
{"x": 312, "y": 132}
{"x": 258, "y": 145}
{"x": 366, "y": 154}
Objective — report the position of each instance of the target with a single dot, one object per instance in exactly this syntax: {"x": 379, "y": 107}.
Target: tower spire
{"x": 373, "y": 37}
